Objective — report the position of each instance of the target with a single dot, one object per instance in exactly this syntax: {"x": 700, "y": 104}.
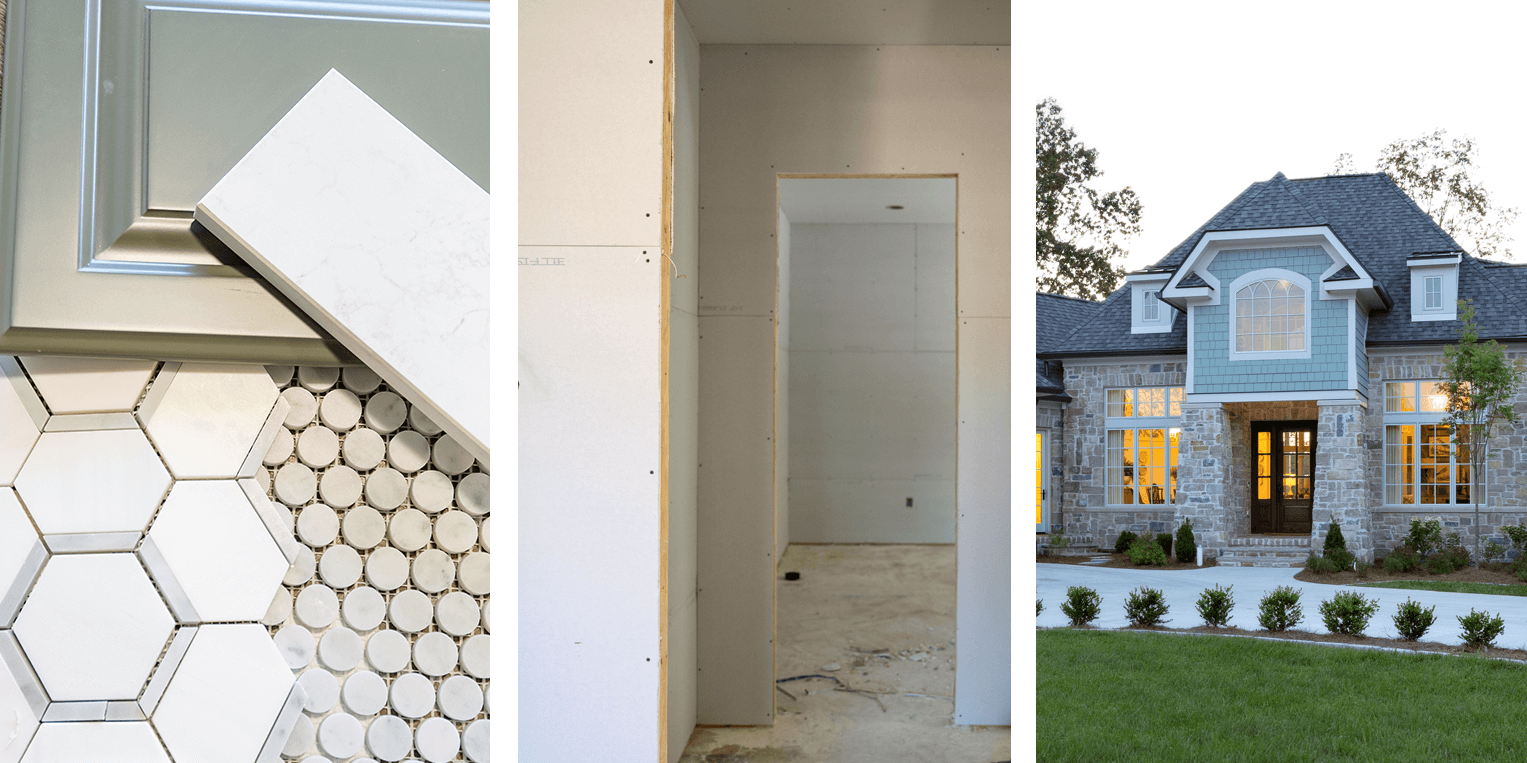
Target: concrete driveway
{"x": 1249, "y": 584}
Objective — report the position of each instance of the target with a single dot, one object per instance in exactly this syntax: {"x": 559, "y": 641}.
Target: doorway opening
{"x": 1283, "y": 484}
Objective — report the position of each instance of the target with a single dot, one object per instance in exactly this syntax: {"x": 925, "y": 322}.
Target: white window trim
{"x": 1426, "y": 292}
{"x": 1418, "y": 418}
{"x": 1267, "y": 274}
{"x": 1137, "y": 424}
{"x": 1142, "y": 286}
{"x": 1151, "y": 300}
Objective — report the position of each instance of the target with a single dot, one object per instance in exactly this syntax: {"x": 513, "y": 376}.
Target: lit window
{"x": 1145, "y": 401}
{"x": 1269, "y": 317}
{"x": 1422, "y": 464}
{"x": 1433, "y": 289}
{"x": 1142, "y": 466}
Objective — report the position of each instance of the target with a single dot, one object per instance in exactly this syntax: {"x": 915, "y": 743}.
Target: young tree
{"x": 1077, "y": 228}
{"x": 1480, "y": 385}
{"x": 1434, "y": 172}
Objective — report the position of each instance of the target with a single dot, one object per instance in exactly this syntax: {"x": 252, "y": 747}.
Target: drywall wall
{"x": 591, "y": 318}
{"x": 683, "y": 384}
{"x": 872, "y": 408}
{"x": 782, "y": 397}
{"x": 766, "y": 110}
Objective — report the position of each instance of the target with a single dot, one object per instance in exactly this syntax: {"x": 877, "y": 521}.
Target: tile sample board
{"x": 378, "y": 239}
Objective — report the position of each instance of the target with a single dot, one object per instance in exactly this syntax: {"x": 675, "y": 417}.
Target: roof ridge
{"x": 1395, "y": 187}
{"x": 1335, "y": 177}
{"x": 1317, "y": 214}
{"x": 1483, "y": 272}
{"x": 1066, "y": 296}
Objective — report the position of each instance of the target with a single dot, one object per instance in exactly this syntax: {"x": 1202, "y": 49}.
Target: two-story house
{"x": 1274, "y": 373}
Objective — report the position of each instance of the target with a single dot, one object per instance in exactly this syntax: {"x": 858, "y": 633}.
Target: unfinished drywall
{"x": 872, "y": 406}
{"x": 591, "y": 317}
{"x": 782, "y": 397}
{"x": 683, "y": 386}
{"x": 767, "y": 110}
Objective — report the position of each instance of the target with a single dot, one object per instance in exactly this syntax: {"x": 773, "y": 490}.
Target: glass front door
{"x": 1041, "y": 484}
{"x": 1283, "y": 476}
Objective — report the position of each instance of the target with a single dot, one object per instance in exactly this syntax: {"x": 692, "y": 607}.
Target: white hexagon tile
{"x": 236, "y": 564}
{"x": 130, "y": 601}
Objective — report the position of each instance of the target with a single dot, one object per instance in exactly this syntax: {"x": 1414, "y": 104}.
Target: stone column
{"x": 1203, "y": 475}
{"x": 1341, "y": 489}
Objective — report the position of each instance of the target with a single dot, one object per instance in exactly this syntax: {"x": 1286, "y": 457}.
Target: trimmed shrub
{"x": 1480, "y": 629}
{"x": 1082, "y": 605}
{"x": 1187, "y": 550}
{"x": 1494, "y": 553}
{"x": 1165, "y": 541}
{"x": 1424, "y": 537}
{"x": 1320, "y": 565}
{"x": 1401, "y": 559}
{"x": 1147, "y": 551}
{"x": 1145, "y": 607}
{"x": 1448, "y": 559}
{"x": 1280, "y": 610}
{"x": 1348, "y": 613}
{"x": 1214, "y": 606}
{"x": 1362, "y": 568}
{"x": 1518, "y": 536}
{"x": 1336, "y": 549}
{"x": 1122, "y": 545}
{"x": 1412, "y": 621}
{"x": 1334, "y": 539}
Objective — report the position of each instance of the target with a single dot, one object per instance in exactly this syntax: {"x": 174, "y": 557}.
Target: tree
{"x": 1434, "y": 172}
{"x": 1077, "y": 227}
{"x": 1480, "y": 385}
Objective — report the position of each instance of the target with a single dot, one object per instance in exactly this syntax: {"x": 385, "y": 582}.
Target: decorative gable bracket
{"x": 1194, "y": 284}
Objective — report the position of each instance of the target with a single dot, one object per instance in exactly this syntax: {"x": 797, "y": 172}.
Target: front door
{"x": 1041, "y": 484}
{"x": 1283, "y": 477}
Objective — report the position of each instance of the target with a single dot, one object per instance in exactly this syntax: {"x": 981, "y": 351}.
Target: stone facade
{"x": 1341, "y": 494}
{"x": 1203, "y": 475}
{"x": 1243, "y": 453}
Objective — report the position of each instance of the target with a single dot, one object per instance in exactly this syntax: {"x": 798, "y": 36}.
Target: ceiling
{"x": 864, "y": 200}
{"x": 850, "y": 22}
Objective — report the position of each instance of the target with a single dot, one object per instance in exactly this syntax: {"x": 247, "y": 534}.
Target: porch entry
{"x": 1283, "y": 482}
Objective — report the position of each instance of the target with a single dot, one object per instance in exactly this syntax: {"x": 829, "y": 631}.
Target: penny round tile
{"x": 436, "y": 740}
{"x": 475, "y": 741}
{"x": 434, "y": 654}
{"x": 459, "y": 698}
{"x": 450, "y": 457}
{"x": 456, "y": 613}
{"x": 365, "y": 693}
{"x": 364, "y": 608}
{"x": 386, "y": 488}
{"x": 317, "y": 606}
{"x": 410, "y": 611}
{"x": 407, "y": 451}
{"x": 296, "y": 645}
{"x": 487, "y": 617}
{"x": 472, "y": 573}
{"x": 388, "y": 651}
{"x": 422, "y": 423}
{"x": 389, "y": 738}
{"x": 433, "y": 571}
{"x": 484, "y": 532}
{"x": 409, "y": 529}
{"x": 472, "y": 494}
{"x": 301, "y": 740}
{"x": 280, "y": 608}
{"x": 364, "y": 449}
{"x": 364, "y": 527}
{"x": 455, "y": 532}
{"x": 280, "y": 448}
{"x": 385, "y": 412}
{"x": 340, "y": 566}
{"x": 317, "y": 446}
{"x": 340, "y": 650}
{"x": 317, "y": 525}
{"x": 387, "y": 568}
{"x": 431, "y": 491}
{"x": 262, "y": 478}
{"x": 295, "y": 484}
{"x": 304, "y": 407}
{"x": 340, "y": 736}
{"x": 360, "y": 380}
{"x": 302, "y": 569}
{"x": 474, "y": 656}
{"x": 339, "y": 410}
{"x": 412, "y": 695}
{"x": 322, "y": 691}
{"x": 280, "y": 375}
{"x": 317, "y": 379}
{"x": 340, "y": 486}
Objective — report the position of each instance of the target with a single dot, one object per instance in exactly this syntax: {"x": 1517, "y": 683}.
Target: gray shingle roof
{"x": 1345, "y": 274}
{"x": 1374, "y": 220}
{"x": 1055, "y": 315}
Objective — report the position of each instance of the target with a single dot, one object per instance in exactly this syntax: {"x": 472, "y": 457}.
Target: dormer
{"x": 1434, "y": 285}
{"x": 1148, "y": 314}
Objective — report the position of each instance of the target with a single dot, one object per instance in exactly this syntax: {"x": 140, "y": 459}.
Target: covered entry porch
{"x": 1262, "y": 480}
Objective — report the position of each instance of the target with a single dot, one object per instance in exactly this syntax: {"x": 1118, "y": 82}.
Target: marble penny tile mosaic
{"x": 236, "y": 563}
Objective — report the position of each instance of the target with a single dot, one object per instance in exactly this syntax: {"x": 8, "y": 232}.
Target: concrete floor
{"x": 885, "y": 616}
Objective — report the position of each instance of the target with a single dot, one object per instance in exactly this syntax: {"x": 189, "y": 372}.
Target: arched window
{"x": 1269, "y": 317}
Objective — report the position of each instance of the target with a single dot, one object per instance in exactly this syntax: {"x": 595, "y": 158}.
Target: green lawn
{"x": 1130, "y": 696}
{"x": 1453, "y": 586}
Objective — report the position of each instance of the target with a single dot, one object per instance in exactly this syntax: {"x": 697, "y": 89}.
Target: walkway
{"x": 1182, "y": 589}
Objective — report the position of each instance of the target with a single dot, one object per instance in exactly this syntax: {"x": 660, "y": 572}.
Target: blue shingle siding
{"x": 1213, "y": 332}
{"x": 1362, "y": 352}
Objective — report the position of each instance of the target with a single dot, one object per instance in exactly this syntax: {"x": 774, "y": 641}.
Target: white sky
{"x": 1189, "y": 106}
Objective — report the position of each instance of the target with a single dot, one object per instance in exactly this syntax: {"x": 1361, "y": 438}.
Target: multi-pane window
{"x": 1422, "y": 464}
{"x": 1432, "y": 286}
{"x": 1150, "y": 306}
{"x": 1269, "y": 317}
{"x": 1142, "y": 445}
